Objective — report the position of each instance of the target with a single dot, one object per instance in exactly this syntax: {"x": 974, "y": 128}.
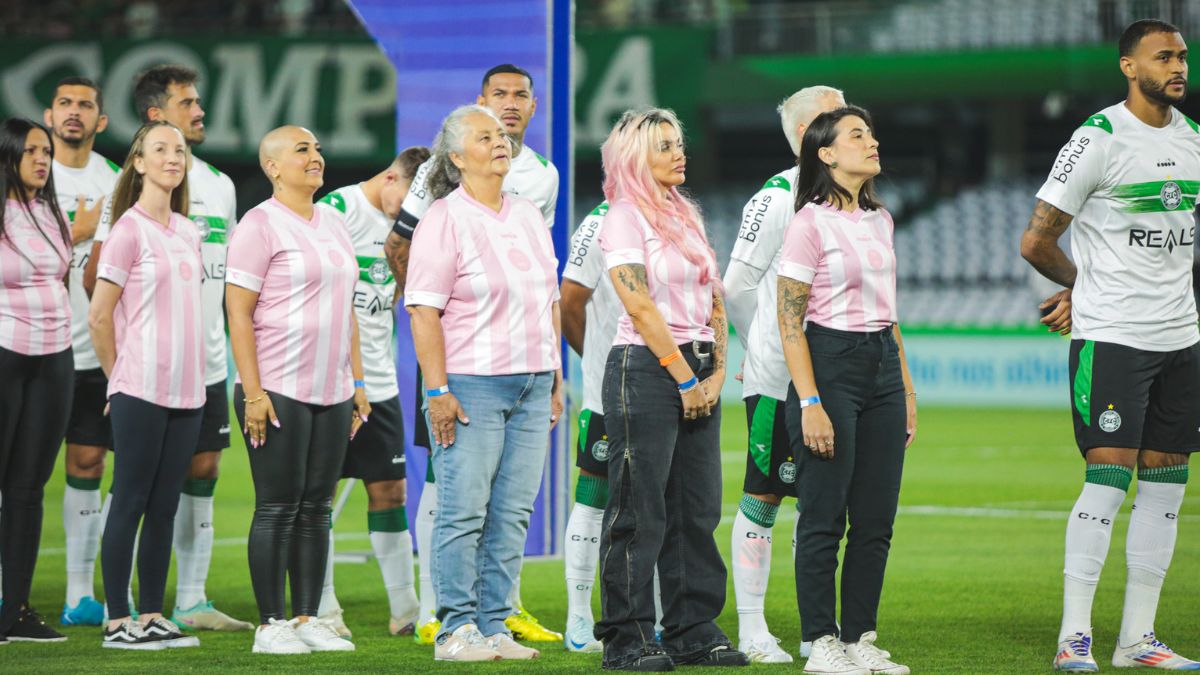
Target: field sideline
{"x": 974, "y": 582}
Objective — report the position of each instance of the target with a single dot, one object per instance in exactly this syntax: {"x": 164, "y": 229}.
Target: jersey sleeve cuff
{"x": 1055, "y": 201}
{"x": 791, "y": 270}
{"x": 244, "y": 279}
{"x": 113, "y": 274}
{"x": 426, "y": 298}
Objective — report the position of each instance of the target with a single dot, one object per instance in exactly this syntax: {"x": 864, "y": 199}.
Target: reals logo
{"x": 1159, "y": 239}
{"x": 1067, "y": 158}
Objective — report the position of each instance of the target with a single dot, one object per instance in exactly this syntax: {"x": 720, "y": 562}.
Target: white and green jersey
{"x": 530, "y": 175}
{"x": 585, "y": 266}
{"x": 1132, "y": 190}
{"x": 373, "y": 292}
{"x": 95, "y": 180}
{"x": 765, "y": 220}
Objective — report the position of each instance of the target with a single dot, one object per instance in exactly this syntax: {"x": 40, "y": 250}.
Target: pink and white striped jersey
{"x": 160, "y": 341}
{"x": 494, "y": 276}
{"x": 849, "y": 260}
{"x": 35, "y": 310}
{"x": 684, "y": 302}
{"x": 304, "y": 273}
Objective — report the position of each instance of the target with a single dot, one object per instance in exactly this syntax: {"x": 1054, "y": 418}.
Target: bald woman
{"x": 299, "y": 397}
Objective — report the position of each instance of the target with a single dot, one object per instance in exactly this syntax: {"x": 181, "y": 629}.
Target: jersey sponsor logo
{"x": 753, "y": 220}
{"x": 1157, "y": 196}
{"x": 1110, "y": 420}
{"x": 1068, "y": 157}
{"x": 584, "y": 241}
{"x": 601, "y": 451}
{"x": 1159, "y": 239}
{"x": 370, "y": 303}
{"x": 214, "y": 271}
{"x": 1100, "y": 121}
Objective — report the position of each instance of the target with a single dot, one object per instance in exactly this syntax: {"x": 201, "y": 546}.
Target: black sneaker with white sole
{"x": 169, "y": 634}
{"x": 129, "y": 635}
{"x": 31, "y": 627}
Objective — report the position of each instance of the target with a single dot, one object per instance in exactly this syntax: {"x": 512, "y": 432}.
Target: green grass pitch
{"x": 973, "y": 584}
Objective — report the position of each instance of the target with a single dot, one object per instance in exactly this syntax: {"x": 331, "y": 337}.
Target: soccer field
{"x": 974, "y": 582}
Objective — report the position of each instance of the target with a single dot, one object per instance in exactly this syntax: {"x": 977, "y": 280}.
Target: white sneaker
{"x": 320, "y": 636}
{"x": 1150, "y": 653}
{"x": 829, "y": 657}
{"x": 579, "y": 636}
{"x": 509, "y": 650}
{"x": 337, "y": 622}
{"x": 1075, "y": 654}
{"x": 466, "y": 643}
{"x": 864, "y": 653}
{"x": 279, "y": 637}
{"x": 764, "y": 649}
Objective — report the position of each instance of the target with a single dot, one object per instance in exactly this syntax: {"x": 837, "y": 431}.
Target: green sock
{"x": 83, "y": 483}
{"x": 759, "y": 512}
{"x": 591, "y": 491}
{"x": 388, "y": 520}
{"x": 198, "y": 487}
{"x": 1165, "y": 474}
{"x": 1112, "y": 475}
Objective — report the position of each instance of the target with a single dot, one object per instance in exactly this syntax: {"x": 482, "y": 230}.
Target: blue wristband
{"x": 359, "y": 384}
{"x": 687, "y": 386}
{"x": 439, "y": 391}
{"x": 811, "y": 400}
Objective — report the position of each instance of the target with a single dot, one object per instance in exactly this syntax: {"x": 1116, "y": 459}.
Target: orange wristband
{"x": 670, "y": 358}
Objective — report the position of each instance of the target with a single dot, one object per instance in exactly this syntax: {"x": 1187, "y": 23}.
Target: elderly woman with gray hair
{"x": 483, "y": 295}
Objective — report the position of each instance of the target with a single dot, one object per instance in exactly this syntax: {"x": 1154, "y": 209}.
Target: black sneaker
{"x": 31, "y": 627}
{"x": 129, "y": 635}
{"x": 169, "y": 634}
{"x": 722, "y": 655}
{"x": 651, "y": 660}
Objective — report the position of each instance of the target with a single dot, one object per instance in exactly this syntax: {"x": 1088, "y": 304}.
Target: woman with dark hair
{"x": 850, "y": 383}
{"x": 35, "y": 357}
{"x": 146, "y": 326}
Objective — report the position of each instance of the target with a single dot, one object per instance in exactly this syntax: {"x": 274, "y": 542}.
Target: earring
{"x": 833, "y": 165}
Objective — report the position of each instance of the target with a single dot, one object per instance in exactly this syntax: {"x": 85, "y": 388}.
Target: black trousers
{"x": 664, "y": 504}
{"x": 35, "y": 402}
{"x": 859, "y": 379}
{"x": 295, "y": 474}
{"x": 152, "y": 450}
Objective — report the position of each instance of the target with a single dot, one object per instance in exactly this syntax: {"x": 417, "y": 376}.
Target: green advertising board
{"x": 344, "y": 89}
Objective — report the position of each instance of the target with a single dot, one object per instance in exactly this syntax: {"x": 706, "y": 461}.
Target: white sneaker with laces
{"x": 1074, "y": 654}
{"x": 579, "y": 636}
{"x": 320, "y": 636}
{"x": 509, "y": 650}
{"x": 466, "y": 643}
{"x": 764, "y": 649}
{"x": 829, "y": 657}
{"x": 336, "y": 621}
{"x": 279, "y": 637}
{"x": 1150, "y": 653}
{"x": 864, "y": 653}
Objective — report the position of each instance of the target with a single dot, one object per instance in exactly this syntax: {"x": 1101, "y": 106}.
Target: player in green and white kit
{"x": 750, "y": 291}
{"x": 1127, "y": 182}
{"x": 508, "y": 91}
{"x": 376, "y": 454}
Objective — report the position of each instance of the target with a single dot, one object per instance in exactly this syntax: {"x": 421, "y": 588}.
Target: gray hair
{"x": 802, "y": 107}
{"x": 444, "y": 177}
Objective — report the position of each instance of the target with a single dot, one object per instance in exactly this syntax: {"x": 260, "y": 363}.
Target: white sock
{"x": 658, "y": 611}
{"x": 82, "y": 524}
{"x": 1089, "y": 530}
{"x": 104, "y": 516}
{"x": 1148, "y": 549}
{"x": 329, "y": 601}
{"x": 426, "y": 512}
{"x": 581, "y": 551}
{"x": 393, "y": 550}
{"x": 751, "y": 572}
{"x": 193, "y": 549}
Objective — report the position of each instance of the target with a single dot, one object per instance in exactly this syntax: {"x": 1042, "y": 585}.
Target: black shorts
{"x": 214, "y": 425}
{"x": 377, "y": 451}
{"x": 421, "y": 430}
{"x": 1122, "y": 397}
{"x": 770, "y": 466}
{"x": 88, "y": 425}
{"x": 592, "y": 452}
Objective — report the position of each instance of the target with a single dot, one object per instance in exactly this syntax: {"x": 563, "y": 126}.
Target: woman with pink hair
{"x": 661, "y": 388}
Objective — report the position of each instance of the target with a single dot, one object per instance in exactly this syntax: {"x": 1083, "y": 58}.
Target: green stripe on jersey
{"x": 212, "y": 169}
{"x": 778, "y": 182}
{"x": 373, "y": 270}
{"x": 113, "y": 165}
{"x": 1082, "y": 388}
{"x": 1100, "y": 121}
{"x": 601, "y": 209}
{"x": 585, "y": 419}
{"x": 1157, "y": 196}
{"x": 1154, "y": 189}
{"x": 762, "y": 433}
{"x": 1195, "y": 127}
{"x": 336, "y": 200}
{"x": 543, "y": 160}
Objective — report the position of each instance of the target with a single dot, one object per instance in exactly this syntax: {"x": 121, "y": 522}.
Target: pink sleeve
{"x": 249, "y": 253}
{"x": 622, "y": 239}
{"x": 433, "y": 260}
{"x": 118, "y": 253}
{"x": 802, "y": 248}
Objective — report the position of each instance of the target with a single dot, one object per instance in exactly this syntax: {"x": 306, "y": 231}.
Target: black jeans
{"x": 152, "y": 451}
{"x": 664, "y": 504}
{"x": 859, "y": 379}
{"x": 35, "y": 402}
{"x": 295, "y": 473}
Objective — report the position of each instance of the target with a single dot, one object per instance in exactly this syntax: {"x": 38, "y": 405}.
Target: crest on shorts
{"x": 600, "y": 450}
{"x": 1172, "y": 196}
{"x": 1110, "y": 420}
{"x": 787, "y": 472}
{"x": 378, "y": 271}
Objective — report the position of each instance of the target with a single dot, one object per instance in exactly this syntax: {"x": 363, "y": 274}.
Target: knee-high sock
{"x": 1149, "y": 547}
{"x": 329, "y": 601}
{"x": 193, "y": 542}
{"x": 426, "y": 512}
{"x": 751, "y": 547}
{"x": 1089, "y": 530}
{"x": 582, "y": 553}
{"x": 658, "y": 610}
{"x": 82, "y": 524}
{"x": 392, "y": 544}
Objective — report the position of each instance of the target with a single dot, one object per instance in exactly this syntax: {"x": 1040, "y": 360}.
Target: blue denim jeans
{"x": 487, "y": 482}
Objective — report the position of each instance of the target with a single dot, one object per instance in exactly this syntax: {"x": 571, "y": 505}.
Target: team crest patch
{"x": 787, "y": 472}
{"x": 1171, "y": 196}
{"x": 203, "y": 226}
{"x": 378, "y": 271}
{"x": 600, "y": 450}
{"x": 1110, "y": 420}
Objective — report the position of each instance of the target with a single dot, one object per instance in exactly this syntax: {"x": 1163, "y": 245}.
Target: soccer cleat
{"x": 31, "y": 627}
{"x": 652, "y": 660}
{"x": 579, "y": 636}
{"x": 1075, "y": 654}
{"x": 320, "y": 636}
{"x": 89, "y": 612}
{"x": 203, "y": 616}
{"x": 169, "y": 634}
{"x": 509, "y": 650}
{"x": 403, "y": 625}
{"x": 829, "y": 657}
{"x": 1149, "y": 653}
{"x": 526, "y": 627}
{"x": 337, "y": 622}
{"x": 279, "y": 637}
{"x": 764, "y": 649}
{"x": 129, "y": 635}
{"x": 426, "y": 633}
{"x": 466, "y": 643}
{"x": 864, "y": 653}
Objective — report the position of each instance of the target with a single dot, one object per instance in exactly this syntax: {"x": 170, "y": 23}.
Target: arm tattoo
{"x": 720, "y": 325}
{"x": 633, "y": 278}
{"x": 1039, "y": 245}
{"x": 792, "y": 306}
{"x": 395, "y": 249}
{"x": 1048, "y": 221}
